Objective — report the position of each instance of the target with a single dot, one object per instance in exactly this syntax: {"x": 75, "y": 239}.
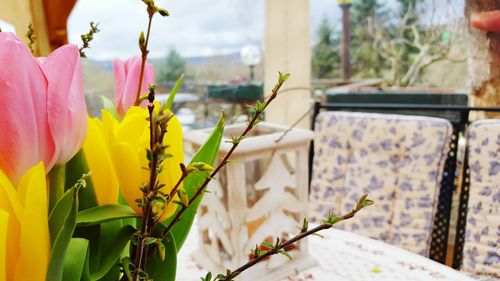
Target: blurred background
{"x": 229, "y": 50}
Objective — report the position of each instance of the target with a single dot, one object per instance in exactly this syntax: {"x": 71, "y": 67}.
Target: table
{"x": 344, "y": 256}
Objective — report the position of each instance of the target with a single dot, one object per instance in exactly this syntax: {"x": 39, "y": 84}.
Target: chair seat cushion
{"x": 396, "y": 159}
{"x": 482, "y": 235}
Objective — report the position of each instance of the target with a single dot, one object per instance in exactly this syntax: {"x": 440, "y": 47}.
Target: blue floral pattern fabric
{"x": 397, "y": 159}
{"x": 482, "y": 235}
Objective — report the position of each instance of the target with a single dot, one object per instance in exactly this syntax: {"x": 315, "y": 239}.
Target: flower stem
{"x": 57, "y": 181}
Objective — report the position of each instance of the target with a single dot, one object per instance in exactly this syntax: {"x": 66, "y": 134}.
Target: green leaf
{"x": 59, "y": 214}
{"x": 105, "y": 213}
{"x": 206, "y": 154}
{"x": 171, "y": 96}
{"x": 75, "y": 168}
{"x": 63, "y": 237}
{"x": 109, "y": 106}
{"x": 165, "y": 270}
{"x": 149, "y": 240}
{"x": 267, "y": 244}
{"x": 163, "y": 12}
{"x": 285, "y": 253}
{"x": 208, "y": 277}
{"x": 126, "y": 262}
{"x": 75, "y": 259}
{"x": 110, "y": 257}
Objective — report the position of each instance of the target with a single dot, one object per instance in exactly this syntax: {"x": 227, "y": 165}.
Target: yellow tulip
{"x": 24, "y": 227}
{"x": 98, "y": 155}
{"x": 126, "y": 143}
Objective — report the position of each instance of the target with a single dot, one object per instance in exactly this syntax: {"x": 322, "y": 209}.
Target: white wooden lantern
{"x": 260, "y": 196}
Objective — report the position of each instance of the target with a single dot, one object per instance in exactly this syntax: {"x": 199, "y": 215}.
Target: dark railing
{"x": 458, "y": 115}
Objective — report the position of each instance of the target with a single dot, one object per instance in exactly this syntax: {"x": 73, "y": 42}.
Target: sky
{"x": 195, "y": 27}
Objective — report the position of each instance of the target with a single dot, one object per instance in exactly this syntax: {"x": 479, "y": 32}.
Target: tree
{"x": 174, "y": 66}
{"x": 325, "y": 57}
{"x": 408, "y": 47}
{"x": 366, "y": 61}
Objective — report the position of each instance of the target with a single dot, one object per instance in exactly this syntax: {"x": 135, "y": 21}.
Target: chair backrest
{"x": 478, "y": 227}
{"x": 398, "y": 160}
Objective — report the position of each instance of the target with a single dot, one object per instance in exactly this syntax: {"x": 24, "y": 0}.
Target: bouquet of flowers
{"x": 101, "y": 199}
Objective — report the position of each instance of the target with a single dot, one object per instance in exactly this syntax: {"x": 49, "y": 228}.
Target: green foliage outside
{"x": 173, "y": 67}
{"x": 366, "y": 62}
{"x": 392, "y": 42}
{"x": 326, "y": 55}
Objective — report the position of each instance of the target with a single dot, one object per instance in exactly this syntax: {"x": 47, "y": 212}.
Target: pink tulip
{"x": 67, "y": 111}
{"x": 25, "y": 137}
{"x": 127, "y": 75}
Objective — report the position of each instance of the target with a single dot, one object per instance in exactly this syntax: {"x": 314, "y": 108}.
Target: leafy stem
{"x": 279, "y": 247}
{"x": 30, "y": 34}
{"x": 141, "y": 249}
{"x": 86, "y": 38}
{"x": 152, "y": 9}
{"x": 254, "y": 120}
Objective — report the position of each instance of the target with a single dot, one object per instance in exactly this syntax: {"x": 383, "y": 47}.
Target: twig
{"x": 31, "y": 38}
{"x": 86, "y": 38}
{"x": 152, "y": 9}
{"x": 279, "y": 247}
{"x": 141, "y": 249}
{"x": 260, "y": 107}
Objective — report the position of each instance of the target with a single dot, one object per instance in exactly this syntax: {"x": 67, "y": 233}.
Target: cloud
{"x": 195, "y": 27}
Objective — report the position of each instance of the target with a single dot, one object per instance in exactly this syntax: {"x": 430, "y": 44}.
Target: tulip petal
{"x": 67, "y": 111}
{"x": 4, "y": 222}
{"x": 133, "y": 126}
{"x": 9, "y": 202}
{"x": 126, "y": 90}
{"x": 130, "y": 174}
{"x": 130, "y": 91}
{"x": 171, "y": 171}
{"x": 35, "y": 238}
{"x": 26, "y": 137}
{"x": 120, "y": 77}
{"x": 100, "y": 163}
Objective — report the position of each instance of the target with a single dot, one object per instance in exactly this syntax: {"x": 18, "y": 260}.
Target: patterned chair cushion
{"x": 482, "y": 236}
{"x": 398, "y": 160}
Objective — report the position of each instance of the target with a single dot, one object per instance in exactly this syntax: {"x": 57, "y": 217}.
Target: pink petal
{"x": 67, "y": 111}
{"x": 133, "y": 71}
{"x": 25, "y": 137}
{"x": 120, "y": 76}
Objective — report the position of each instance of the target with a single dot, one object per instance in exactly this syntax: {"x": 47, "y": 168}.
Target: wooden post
{"x": 346, "y": 41}
{"x": 287, "y": 48}
{"x": 484, "y": 58}
{"x": 48, "y": 18}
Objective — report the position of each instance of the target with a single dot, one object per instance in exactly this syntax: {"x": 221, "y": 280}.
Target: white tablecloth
{"x": 344, "y": 256}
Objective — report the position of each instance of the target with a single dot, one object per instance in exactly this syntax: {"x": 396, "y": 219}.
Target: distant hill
{"x": 230, "y": 58}
{"x": 234, "y": 58}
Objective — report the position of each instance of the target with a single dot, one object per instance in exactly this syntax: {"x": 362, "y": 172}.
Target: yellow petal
{"x": 4, "y": 223}
{"x": 133, "y": 126}
{"x": 130, "y": 174}
{"x": 110, "y": 125}
{"x": 171, "y": 171}
{"x": 35, "y": 238}
{"x": 9, "y": 202}
{"x": 100, "y": 163}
